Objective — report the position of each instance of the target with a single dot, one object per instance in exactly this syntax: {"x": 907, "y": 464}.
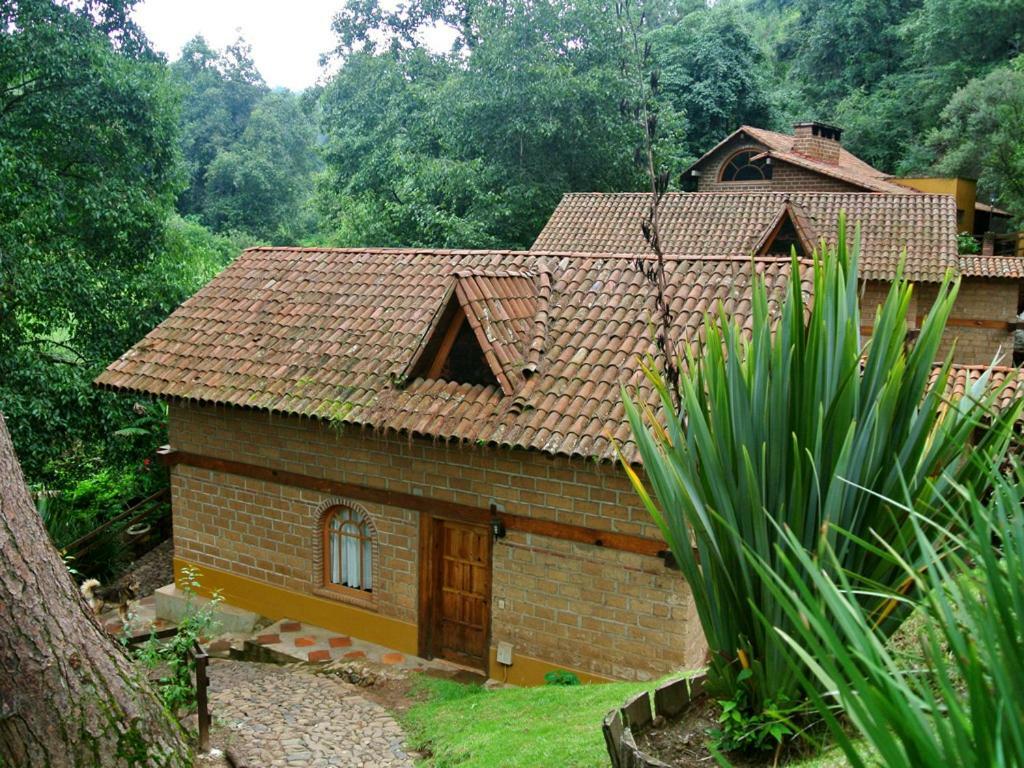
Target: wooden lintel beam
{"x": 438, "y": 507}
{"x": 962, "y": 322}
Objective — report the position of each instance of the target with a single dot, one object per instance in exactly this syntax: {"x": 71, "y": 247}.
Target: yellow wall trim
{"x": 526, "y": 670}
{"x": 278, "y": 603}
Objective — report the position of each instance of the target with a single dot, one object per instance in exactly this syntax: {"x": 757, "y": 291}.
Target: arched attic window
{"x": 743, "y": 166}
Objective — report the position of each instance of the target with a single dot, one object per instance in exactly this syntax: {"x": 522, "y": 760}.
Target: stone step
{"x": 171, "y": 604}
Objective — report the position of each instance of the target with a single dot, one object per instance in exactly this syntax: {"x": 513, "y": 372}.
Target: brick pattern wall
{"x": 785, "y": 177}
{"x": 979, "y": 299}
{"x": 826, "y": 150}
{"x": 609, "y": 613}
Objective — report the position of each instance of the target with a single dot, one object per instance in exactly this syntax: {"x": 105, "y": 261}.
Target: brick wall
{"x": 806, "y": 143}
{"x": 605, "y": 612}
{"x": 785, "y": 177}
{"x": 978, "y": 299}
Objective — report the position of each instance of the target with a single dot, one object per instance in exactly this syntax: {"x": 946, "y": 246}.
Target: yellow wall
{"x": 277, "y": 603}
{"x": 963, "y": 190}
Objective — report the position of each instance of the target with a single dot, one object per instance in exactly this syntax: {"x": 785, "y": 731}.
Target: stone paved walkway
{"x": 270, "y": 716}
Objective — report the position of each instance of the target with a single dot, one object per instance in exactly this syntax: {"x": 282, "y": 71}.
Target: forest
{"x": 128, "y": 180}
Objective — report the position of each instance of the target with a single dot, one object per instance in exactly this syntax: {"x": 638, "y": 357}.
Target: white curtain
{"x": 335, "y": 551}
{"x": 350, "y": 532}
{"x": 368, "y": 564}
{"x": 350, "y": 555}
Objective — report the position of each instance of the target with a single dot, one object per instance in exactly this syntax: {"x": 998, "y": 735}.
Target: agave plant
{"x": 797, "y": 425}
{"x": 961, "y": 706}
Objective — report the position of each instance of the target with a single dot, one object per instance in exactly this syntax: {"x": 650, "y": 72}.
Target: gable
{"x": 790, "y": 230}
{"x": 849, "y": 171}
{"x": 481, "y": 334}
{"x": 460, "y": 357}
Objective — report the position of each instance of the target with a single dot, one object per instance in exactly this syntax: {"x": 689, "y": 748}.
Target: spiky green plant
{"x": 962, "y": 705}
{"x": 799, "y": 425}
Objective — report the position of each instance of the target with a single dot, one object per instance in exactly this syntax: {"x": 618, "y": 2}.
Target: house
{"x": 753, "y": 222}
{"x": 811, "y": 160}
{"x": 418, "y": 448}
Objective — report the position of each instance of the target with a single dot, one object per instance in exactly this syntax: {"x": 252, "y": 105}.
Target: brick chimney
{"x": 818, "y": 141}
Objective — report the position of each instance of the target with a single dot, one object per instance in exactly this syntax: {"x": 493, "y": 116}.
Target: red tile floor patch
{"x": 319, "y": 655}
{"x": 268, "y": 639}
{"x": 304, "y": 642}
{"x": 355, "y": 655}
{"x": 340, "y": 642}
{"x": 291, "y": 626}
{"x": 392, "y": 658}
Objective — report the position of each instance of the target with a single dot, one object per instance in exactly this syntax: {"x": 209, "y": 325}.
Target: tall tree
{"x": 981, "y": 135}
{"x": 713, "y": 76}
{"x": 69, "y": 696}
{"x": 839, "y": 47}
{"x": 262, "y": 183}
{"x": 219, "y": 90}
{"x": 88, "y": 173}
{"x": 476, "y": 148}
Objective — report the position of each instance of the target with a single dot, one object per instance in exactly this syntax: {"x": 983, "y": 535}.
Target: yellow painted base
{"x": 526, "y": 670}
{"x": 279, "y": 603}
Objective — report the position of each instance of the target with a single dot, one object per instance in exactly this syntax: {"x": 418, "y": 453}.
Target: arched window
{"x": 743, "y": 167}
{"x": 348, "y": 550}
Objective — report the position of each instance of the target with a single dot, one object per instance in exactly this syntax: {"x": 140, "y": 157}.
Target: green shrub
{"x": 960, "y": 705}
{"x": 797, "y": 426}
{"x": 967, "y": 244}
{"x": 560, "y": 677}
{"x": 173, "y": 656}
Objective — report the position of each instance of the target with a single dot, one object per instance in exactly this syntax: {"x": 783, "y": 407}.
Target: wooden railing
{"x": 129, "y": 517}
{"x": 200, "y": 660}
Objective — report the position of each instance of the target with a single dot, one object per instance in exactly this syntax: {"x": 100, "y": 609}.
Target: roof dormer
{"x": 482, "y": 333}
{"x": 791, "y": 228}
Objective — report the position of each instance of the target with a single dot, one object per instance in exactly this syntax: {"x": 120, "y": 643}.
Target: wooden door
{"x": 461, "y": 599}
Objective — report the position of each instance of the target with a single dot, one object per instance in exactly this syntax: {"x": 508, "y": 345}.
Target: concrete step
{"x": 173, "y": 603}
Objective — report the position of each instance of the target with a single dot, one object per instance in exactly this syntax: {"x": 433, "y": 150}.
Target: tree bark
{"x": 69, "y": 695}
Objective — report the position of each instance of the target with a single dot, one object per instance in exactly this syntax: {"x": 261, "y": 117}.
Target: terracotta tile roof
{"x": 1011, "y": 267}
{"x": 963, "y": 377}
{"x": 850, "y": 168}
{"x": 732, "y": 223}
{"x": 331, "y": 333}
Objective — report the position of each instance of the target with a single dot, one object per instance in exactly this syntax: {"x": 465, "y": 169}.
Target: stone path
{"x": 269, "y": 716}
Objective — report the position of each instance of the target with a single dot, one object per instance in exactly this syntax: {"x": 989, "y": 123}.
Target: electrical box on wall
{"x": 505, "y": 654}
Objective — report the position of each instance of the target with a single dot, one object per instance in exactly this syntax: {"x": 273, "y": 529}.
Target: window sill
{"x": 355, "y": 597}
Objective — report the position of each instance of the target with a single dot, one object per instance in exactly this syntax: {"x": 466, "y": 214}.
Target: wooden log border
{"x": 622, "y": 542}
{"x": 622, "y": 726}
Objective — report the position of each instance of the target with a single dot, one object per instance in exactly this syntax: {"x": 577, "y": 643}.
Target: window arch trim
{"x": 358, "y": 519}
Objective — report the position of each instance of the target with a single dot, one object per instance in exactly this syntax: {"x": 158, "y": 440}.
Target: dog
{"x": 100, "y": 597}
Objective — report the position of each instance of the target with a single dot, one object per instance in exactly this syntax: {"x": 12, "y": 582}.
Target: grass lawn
{"x": 470, "y": 727}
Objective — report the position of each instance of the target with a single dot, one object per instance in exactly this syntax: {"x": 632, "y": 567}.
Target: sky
{"x": 287, "y": 38}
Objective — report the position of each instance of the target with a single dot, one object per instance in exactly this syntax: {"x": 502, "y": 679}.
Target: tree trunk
{"x": 69, "y": 696}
